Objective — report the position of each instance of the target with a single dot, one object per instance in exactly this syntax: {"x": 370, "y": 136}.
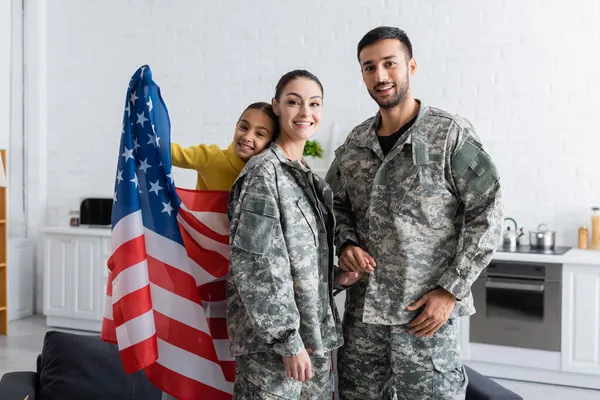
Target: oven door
{"x": 516, "y": 312}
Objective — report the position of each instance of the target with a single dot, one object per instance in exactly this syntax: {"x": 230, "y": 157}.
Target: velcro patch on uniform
{"x": 260, "y": 205}
{"x": 481, "y": 175}
{"x": 420, "y": 153}
{"x": 464, "y": 156}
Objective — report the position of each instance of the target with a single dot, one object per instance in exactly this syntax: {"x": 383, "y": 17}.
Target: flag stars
{"x": 144, "y": 165}
{"x": 132, "y": 98}
{"x": 135, "y": 144}
{"x": 167, "y": 208}
{"x": 128, "y": 109}
{"x": 170, "y": 176}
{"x": 127, "y": 154}
{"x": 155, "y": 187}
{"x": 115, "y": 197}
{"x": 153, "y": 139}
{"x": 149, "y": 104}
{"x": 141, "y": 119}
{"x": 120, "y": 175}
{"x": 134, "y": 180}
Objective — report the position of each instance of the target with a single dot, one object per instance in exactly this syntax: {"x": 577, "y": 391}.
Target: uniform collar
{"x": 235, "y": 160}
{"x": 369, "y": 137}
{"x": 284, "y": 160}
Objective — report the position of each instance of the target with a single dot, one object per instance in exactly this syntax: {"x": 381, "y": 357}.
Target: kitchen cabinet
{"x": 75, "y": 276}
{"x": 581, "y": 319}
{"x": 577, "y": 361}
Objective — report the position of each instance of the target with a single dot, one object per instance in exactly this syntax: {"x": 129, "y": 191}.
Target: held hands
{"x": 355, "y": 259}
{"x": 298, "y": 367}
{"x": 349, "y": 278}
{"x": 438, "y": 303}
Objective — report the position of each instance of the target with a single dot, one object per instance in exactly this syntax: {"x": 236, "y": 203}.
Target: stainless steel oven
{"x": 519, "y": 305}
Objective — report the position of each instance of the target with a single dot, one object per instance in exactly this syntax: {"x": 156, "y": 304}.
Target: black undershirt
{"x": 387, "y": 142}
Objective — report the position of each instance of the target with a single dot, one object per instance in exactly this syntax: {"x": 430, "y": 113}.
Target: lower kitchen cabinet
{"x": 75, "y": 276}
{"x": 580, "y": 346}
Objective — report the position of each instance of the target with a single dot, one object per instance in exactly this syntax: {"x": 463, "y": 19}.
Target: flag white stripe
{"x": 129, "y": 280}
{"x": 222, "y": 348}
{"x": 215, "y": 309}
{"x": 178, "y": 308}
{"x": 136, "y": 330}
{"x": 108, "y": 310}
{"x": 207, "y": 243}
{"x": 128, "y": 228}
{"x": 192, "y": 366}
{"x": 218, "y": 222}
{"x": 172, "y": 253}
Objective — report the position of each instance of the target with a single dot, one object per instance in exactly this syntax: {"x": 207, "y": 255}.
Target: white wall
{"x": 5, "y": 64}
{"x": 524, "y": 72}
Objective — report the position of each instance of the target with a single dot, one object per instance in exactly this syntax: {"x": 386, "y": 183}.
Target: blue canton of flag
{"x": 144, "y": 178}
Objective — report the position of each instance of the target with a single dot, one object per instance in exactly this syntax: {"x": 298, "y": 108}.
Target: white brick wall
{"x": 524, "y": 72}
{"x": 5, "y": 59}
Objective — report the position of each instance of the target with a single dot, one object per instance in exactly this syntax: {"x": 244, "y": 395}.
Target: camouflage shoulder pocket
{"x": 256, "y": 224}
{"x": 472, "y": 165}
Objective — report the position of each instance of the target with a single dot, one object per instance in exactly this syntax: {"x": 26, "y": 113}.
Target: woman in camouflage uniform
{"x": 281, "y": 317}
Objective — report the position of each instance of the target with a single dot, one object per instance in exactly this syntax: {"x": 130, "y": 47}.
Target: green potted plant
{"x": 313, "y": 149}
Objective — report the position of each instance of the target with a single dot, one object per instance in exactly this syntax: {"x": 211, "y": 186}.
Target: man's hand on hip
{"x": 355, "y": 259}
{"x": 438, "y": 303}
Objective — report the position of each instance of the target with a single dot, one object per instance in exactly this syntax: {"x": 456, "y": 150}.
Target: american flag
{"x": 165, "y": 297}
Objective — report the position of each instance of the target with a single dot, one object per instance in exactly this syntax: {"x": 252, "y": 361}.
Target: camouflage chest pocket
{"x": 312, "y": 234}
{"x": 256, "y": 224}
{"x": 475, "y": 168}
{"x": 358, "y": 173}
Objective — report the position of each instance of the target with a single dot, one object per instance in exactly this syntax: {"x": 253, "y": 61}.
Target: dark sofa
{"x": 83, "y": 367}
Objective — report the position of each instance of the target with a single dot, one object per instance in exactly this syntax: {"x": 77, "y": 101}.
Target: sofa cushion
{"x": 483, "y": 388}
{"x": 83, "y": 367}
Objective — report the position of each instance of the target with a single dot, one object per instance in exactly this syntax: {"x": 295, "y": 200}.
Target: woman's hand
{"x": 298, "y": 367}
{"x": 355, "y": 259}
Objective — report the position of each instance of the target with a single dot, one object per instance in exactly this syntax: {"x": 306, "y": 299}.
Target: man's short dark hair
{"x": 382, "y": 33}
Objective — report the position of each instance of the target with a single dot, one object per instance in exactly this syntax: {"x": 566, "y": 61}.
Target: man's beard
{"x": 401, "y": 93}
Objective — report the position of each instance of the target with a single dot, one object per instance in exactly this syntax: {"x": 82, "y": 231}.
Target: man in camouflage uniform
{"x": 280, "y": 283}
{"x": 418, "y": 208}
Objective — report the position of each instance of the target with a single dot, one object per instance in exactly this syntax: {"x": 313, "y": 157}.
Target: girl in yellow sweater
{"x": 218, "y": 168}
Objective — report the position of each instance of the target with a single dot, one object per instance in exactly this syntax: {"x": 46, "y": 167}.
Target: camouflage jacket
{"x": 279, "y": 288}
{"x": 430, "y": 213}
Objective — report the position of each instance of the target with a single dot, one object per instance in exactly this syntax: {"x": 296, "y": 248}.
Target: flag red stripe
{"x": 202, "y": 229}
{"x": 218, "y": 328}
{"x": 213, "y": 262}
{"x": 109, "y": 280}
{"x": 174, "y": 280}
{"x": 203, "y": 200}
{"x": 185, "y": 337}
{"x": 132, "y": 305}
{"x": 129, "y": 253}
{"x": 108, "y": 333}
{"x": 181, "y": 386}
{"x": 214, "y": 291}
{"x": 139, "y": 355}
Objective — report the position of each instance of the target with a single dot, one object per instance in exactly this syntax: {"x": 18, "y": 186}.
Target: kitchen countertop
{"x": 77, "y": 230}
{"x": 573, "y": 256}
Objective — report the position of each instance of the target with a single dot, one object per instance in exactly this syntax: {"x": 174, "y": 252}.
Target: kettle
{"x": 510, "y": 238}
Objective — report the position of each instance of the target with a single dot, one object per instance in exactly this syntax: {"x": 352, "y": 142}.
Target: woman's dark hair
{"x": 292, "y": 75}
{"x": 382, "y": 33}
{"x": 267, "y": 109}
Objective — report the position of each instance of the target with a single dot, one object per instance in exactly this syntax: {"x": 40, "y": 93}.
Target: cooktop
{"x": 557, "y": 250}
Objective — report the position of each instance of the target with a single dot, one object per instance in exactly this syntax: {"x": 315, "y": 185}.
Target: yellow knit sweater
{"x": 217, "y": 168}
